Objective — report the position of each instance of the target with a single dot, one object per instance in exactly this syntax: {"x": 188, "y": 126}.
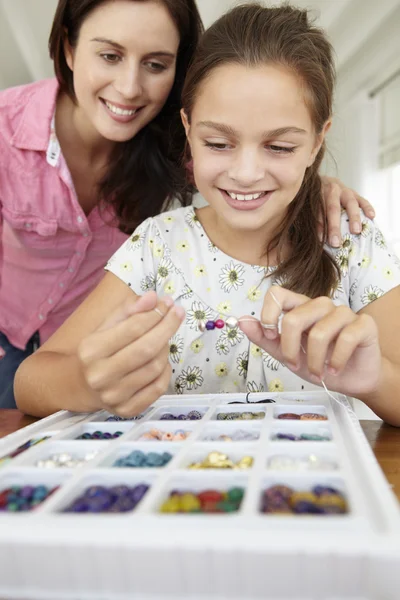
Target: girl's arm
{"x": 112, "y": 353}
{"x": 336, "y": 196}
{"x": 353, "y": 353}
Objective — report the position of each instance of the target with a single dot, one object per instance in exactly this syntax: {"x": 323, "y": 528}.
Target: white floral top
{"x": 172, "y": 255}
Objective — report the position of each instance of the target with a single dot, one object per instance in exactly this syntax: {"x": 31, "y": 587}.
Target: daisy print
{"x": 169, "y": 220}
{"x": 380, "y": 240}
{"x": 253, "y": 387}
{"x": 175, "y": 348}
{"x": 242, "y": 364}
{"x": 182, "y": 246}
{"x": 135, "y": 241}
{"x": 200, "y": 271}
{"x": 164, "y": 270}
{"x": 221, "y": 370}
{"x": 193, "y": 378}
{"x": 187, "y": 292}
{"x": 196, "y": 346}
{"x": 197, "y": 313}
{"x": 387, "y": 273}
{"x": 180, "y": 385}
{"x": 347, "y": 243}
{"x": 254, "y": 293}
{"x": 126, "y": 267}
{"x": 158, "y": 251}
{"x": 370, "y": 294}
{"x": 365, "y": 229}
{"x": 230, "y": 277}
{"x": 212, "y": 247}
{"x": 192, "y": 220}
{"x": 354, "y": 287}
{"x": 169, "y": 288}
{"x": 233, "y": 336}
{"x": 342, "y": 260}
{"x": 365, "y": 261}
{"x": 224, "y": 308}
{"x": 148, "y": 283}
{"x": 222, "y": 346}
{"x": 339, "y": 289}
{"x": 270, "y": 361}
{"x": 256, "y": 351}
{"x": 275, "y": 385}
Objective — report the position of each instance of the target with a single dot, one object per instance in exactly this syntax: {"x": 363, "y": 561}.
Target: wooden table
{"x": 384, "y": 439}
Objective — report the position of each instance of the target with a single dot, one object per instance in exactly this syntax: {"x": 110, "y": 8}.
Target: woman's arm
{"x": 112, "y": 353}
{"x": 337, "y": 196}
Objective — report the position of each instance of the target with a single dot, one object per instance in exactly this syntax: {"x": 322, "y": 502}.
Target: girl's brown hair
{"x": 252, "y": 35}
{"x": 145, "y": 173}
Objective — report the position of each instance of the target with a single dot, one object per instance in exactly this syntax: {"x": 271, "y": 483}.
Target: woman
{"x": 99, "y": 150}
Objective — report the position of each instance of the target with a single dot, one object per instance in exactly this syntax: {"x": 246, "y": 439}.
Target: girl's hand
{"x": 125, "y": 361}
{"x": 336, "y": 196}
{"x": 339, "y": 346}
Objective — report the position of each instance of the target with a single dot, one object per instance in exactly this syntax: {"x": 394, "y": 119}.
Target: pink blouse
{"x": 51, "y": 254}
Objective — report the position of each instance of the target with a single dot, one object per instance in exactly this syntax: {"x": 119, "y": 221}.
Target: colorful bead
{"x": 231, "y": 322}
{"x": 24, "y": 498}
{"x": 193, "y": 415}
{"x": 99, "y": 435}
{"x": 208, "y": 501}
{"x": 137, "y": 458}
{"x": 308, "y": 463}
{"x": 155, "y": 435}
{"x": 237, "y": 436}
{"x": 65, "y": 460}
{"x": 291, "y": 416}
{"x": 202, "y": 326}
{"x": 219, "y": 324}
{"x": 237, "y": 416}
{"x": 218, "y": 460}
{"x": 25, "y": 446}
{"x": 313, "y": 417}
{"x": 98, "y": 499}
{"x": 318, "y": 501}
{"x": 210, "y": 325}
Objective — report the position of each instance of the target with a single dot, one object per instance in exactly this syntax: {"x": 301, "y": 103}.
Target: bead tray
{"x": 47, "y": 554}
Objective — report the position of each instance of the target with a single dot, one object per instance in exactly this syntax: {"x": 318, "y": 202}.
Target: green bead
{"x": 235, "y": 494}
{"x": 13, "y": 507}
{"x": 226, "y": 506}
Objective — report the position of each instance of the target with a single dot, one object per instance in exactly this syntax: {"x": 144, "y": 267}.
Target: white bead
{"x": 231, "y": 322}
{"x": 202, "y": 325}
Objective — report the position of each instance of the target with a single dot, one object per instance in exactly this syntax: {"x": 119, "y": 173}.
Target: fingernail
{"x": 357, "y": 227}
{"x": 168, "y": 301}
{"x": 270, "y": 333}
{"x": 371, "y": 214}
{"x": 292, "y": 366}
{"x": 335, "y": 241}
{"x": 315, "y": 378}
{"x": 180, "y": 312}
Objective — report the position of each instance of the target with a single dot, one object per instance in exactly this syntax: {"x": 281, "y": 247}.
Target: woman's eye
{"x": 216, "y": 146}
{"x": 156, "y": 67}
{"x": 110, "y": 58}
{"x": 280, "y": 149}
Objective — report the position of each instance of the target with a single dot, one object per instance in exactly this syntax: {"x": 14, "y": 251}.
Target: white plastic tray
{"x": 48, "y": 554}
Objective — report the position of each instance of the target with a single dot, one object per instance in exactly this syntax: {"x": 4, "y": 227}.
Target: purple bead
{"x": 119, "y": 491}
{"x": 321, "y": 490}
{"x": 210, "y": 325}
{"x": 305, "y": 507}
{"x": 286, "y": 436}
{"x": 94, "y": 491}
{"x": 101, "y": 503}
{"x": 79, "y": 505}
{"x": 107, "y": 435}
{"x": 167, "y": 417}
{"x": 27, "y": 492}
{"x": 138, "y": 492}
{"x": 124, "y": 504}
{"x": 182, "y": 418}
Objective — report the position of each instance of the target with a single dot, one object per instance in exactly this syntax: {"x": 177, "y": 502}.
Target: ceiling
{"x": 25, "y": 25}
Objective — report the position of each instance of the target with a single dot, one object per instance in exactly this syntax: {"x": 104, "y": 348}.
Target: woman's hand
{"x": 319, "y": 340}
{"x": 337, "y": 196}
{"x": 125, "y": 360}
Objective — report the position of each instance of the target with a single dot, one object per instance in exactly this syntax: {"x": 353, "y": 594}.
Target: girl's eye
{"x": 281, "y": 149}
{"x": 156, "y": 67}
{"x": 110, "y": 58}
{"x": 216, "y": 146}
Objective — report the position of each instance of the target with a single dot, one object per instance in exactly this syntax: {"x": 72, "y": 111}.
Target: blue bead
{"x": 210, "y": 325}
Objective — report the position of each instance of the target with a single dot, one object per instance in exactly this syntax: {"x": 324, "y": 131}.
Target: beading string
{"x": 233, "y": 322}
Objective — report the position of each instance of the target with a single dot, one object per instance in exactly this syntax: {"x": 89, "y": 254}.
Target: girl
{"x": 256, "y": 108}
{"x": 89, "y": 155}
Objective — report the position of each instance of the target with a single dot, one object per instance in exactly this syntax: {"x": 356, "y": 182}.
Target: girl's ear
{"x": 319, "y": 141}
{"x": 186, "y": 124}
{"x": 68, "y": 52}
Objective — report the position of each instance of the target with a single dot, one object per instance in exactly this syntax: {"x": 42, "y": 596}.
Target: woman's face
{"x": 123, "y": 66}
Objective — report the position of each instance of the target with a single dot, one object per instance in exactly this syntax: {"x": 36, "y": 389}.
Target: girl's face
{"x": 251, "y": 139}
{"x": 123, "y": 66}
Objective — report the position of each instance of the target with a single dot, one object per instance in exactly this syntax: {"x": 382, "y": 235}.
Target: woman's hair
{"x": 145, "y": 173}
{"x": 251, "y": 35}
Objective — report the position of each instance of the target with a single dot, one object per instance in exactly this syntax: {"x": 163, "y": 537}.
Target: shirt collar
{"x": 34, "y": 129}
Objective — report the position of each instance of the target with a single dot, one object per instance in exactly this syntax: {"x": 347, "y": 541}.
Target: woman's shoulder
{"x": 15, "y": 101}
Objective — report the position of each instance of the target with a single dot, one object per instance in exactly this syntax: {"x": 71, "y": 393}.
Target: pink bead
{"x": 219, "y": 323}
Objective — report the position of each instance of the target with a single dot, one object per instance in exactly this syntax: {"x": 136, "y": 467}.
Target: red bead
{"x": 210, "y": 497}
{"x": 219, "y": 323}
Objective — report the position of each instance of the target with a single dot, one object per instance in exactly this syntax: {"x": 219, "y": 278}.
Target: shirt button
{"x": 50, "y": 300}
{"x": 61, "y": 284}
{"x": 28, "y": 225}
{"x": 71, "y": 270}
{"x": 79, "y": 219}
{"x": 85, "y": 234}
{"x": 78, "y": 253}
{"x": 41, "y": 317}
